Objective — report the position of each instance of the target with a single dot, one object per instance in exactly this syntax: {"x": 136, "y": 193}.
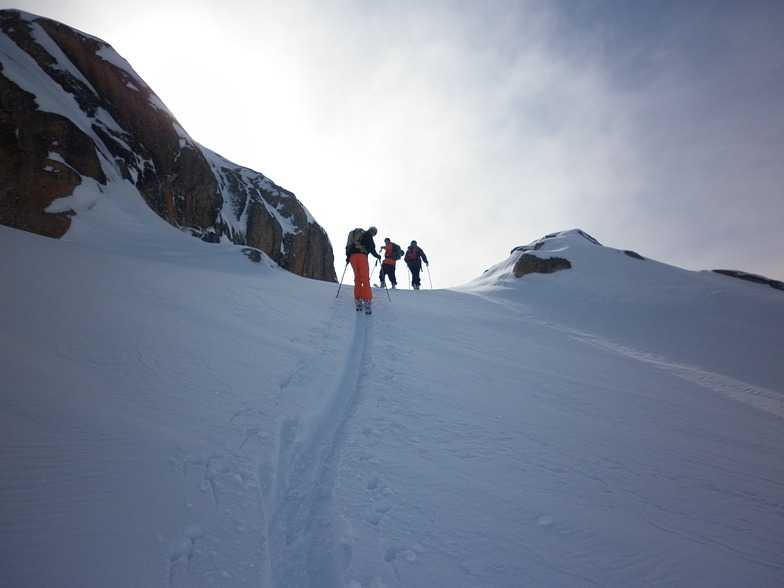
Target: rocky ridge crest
{"x": 73, "y": 110}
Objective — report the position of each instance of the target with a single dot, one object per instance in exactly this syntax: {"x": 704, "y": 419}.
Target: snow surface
{"x": 174, "y": 415}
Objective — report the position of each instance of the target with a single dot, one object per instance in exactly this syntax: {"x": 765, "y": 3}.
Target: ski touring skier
{"x": 360, "y": 244}
{"x": 392, "y": 253}
{"x": 414, "y": 258}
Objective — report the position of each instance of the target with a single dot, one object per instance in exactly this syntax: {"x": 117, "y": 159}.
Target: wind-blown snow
{"x": 174, "y": 415}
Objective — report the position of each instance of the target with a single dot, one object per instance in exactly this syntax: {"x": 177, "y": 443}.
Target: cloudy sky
{"x": 476, "y": 126}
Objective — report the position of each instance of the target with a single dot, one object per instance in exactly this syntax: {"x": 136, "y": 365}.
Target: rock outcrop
{"x": 530, "y": 264}
{"x": 757, "y": 279}
{"x": 71, "y": 109}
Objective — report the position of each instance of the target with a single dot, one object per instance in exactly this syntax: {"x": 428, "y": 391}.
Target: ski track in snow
{"x": 760, "y": 398}
{"x": 304, "y": 535}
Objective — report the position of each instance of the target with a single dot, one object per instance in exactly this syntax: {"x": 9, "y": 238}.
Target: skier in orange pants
{"x": 357, "y": 252}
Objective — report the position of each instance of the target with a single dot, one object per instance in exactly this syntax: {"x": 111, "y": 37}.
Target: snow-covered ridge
{"x": 576, "y": 246}
{"x": 586, "y": 254}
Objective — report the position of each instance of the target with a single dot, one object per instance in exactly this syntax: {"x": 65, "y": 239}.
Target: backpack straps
{"x": 358, "y": 234}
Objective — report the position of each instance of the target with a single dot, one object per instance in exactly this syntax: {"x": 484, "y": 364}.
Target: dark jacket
{"x": 415, "y": 256}
{"x": 367, "y": 244}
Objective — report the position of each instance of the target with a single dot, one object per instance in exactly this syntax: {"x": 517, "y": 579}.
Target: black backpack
{"x": 397, "y": 252}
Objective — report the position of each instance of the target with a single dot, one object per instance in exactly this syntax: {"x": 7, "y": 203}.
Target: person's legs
{"x": 359, "y": 263}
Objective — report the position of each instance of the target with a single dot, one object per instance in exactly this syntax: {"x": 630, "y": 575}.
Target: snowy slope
{"x": 174, "y": 415}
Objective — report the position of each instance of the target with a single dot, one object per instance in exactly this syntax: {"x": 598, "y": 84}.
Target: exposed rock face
{"x": 777, "y": 284}
{"x": 533, "y": 264}
{"x": 71, "y": 109}
{"x": 530, "y": 264}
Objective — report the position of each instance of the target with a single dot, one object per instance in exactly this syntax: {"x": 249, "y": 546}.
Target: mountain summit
{"x": 76, "y": 118}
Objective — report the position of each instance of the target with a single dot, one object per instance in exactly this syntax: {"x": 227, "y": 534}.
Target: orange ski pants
{"x": 359, "y": 263}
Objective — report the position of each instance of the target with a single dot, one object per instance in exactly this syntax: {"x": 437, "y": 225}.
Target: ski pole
{"x": 372, "y": 271}
{"x": 428, "y": 275}
{"x": 385, "y": 283}
{"x": 341, "y": 280}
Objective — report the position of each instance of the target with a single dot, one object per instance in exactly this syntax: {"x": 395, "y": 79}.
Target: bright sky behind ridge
{"x": 474, "y": 127}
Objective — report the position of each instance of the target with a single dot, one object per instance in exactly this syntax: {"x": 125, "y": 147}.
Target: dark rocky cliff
{"x": 71, "y": 108}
